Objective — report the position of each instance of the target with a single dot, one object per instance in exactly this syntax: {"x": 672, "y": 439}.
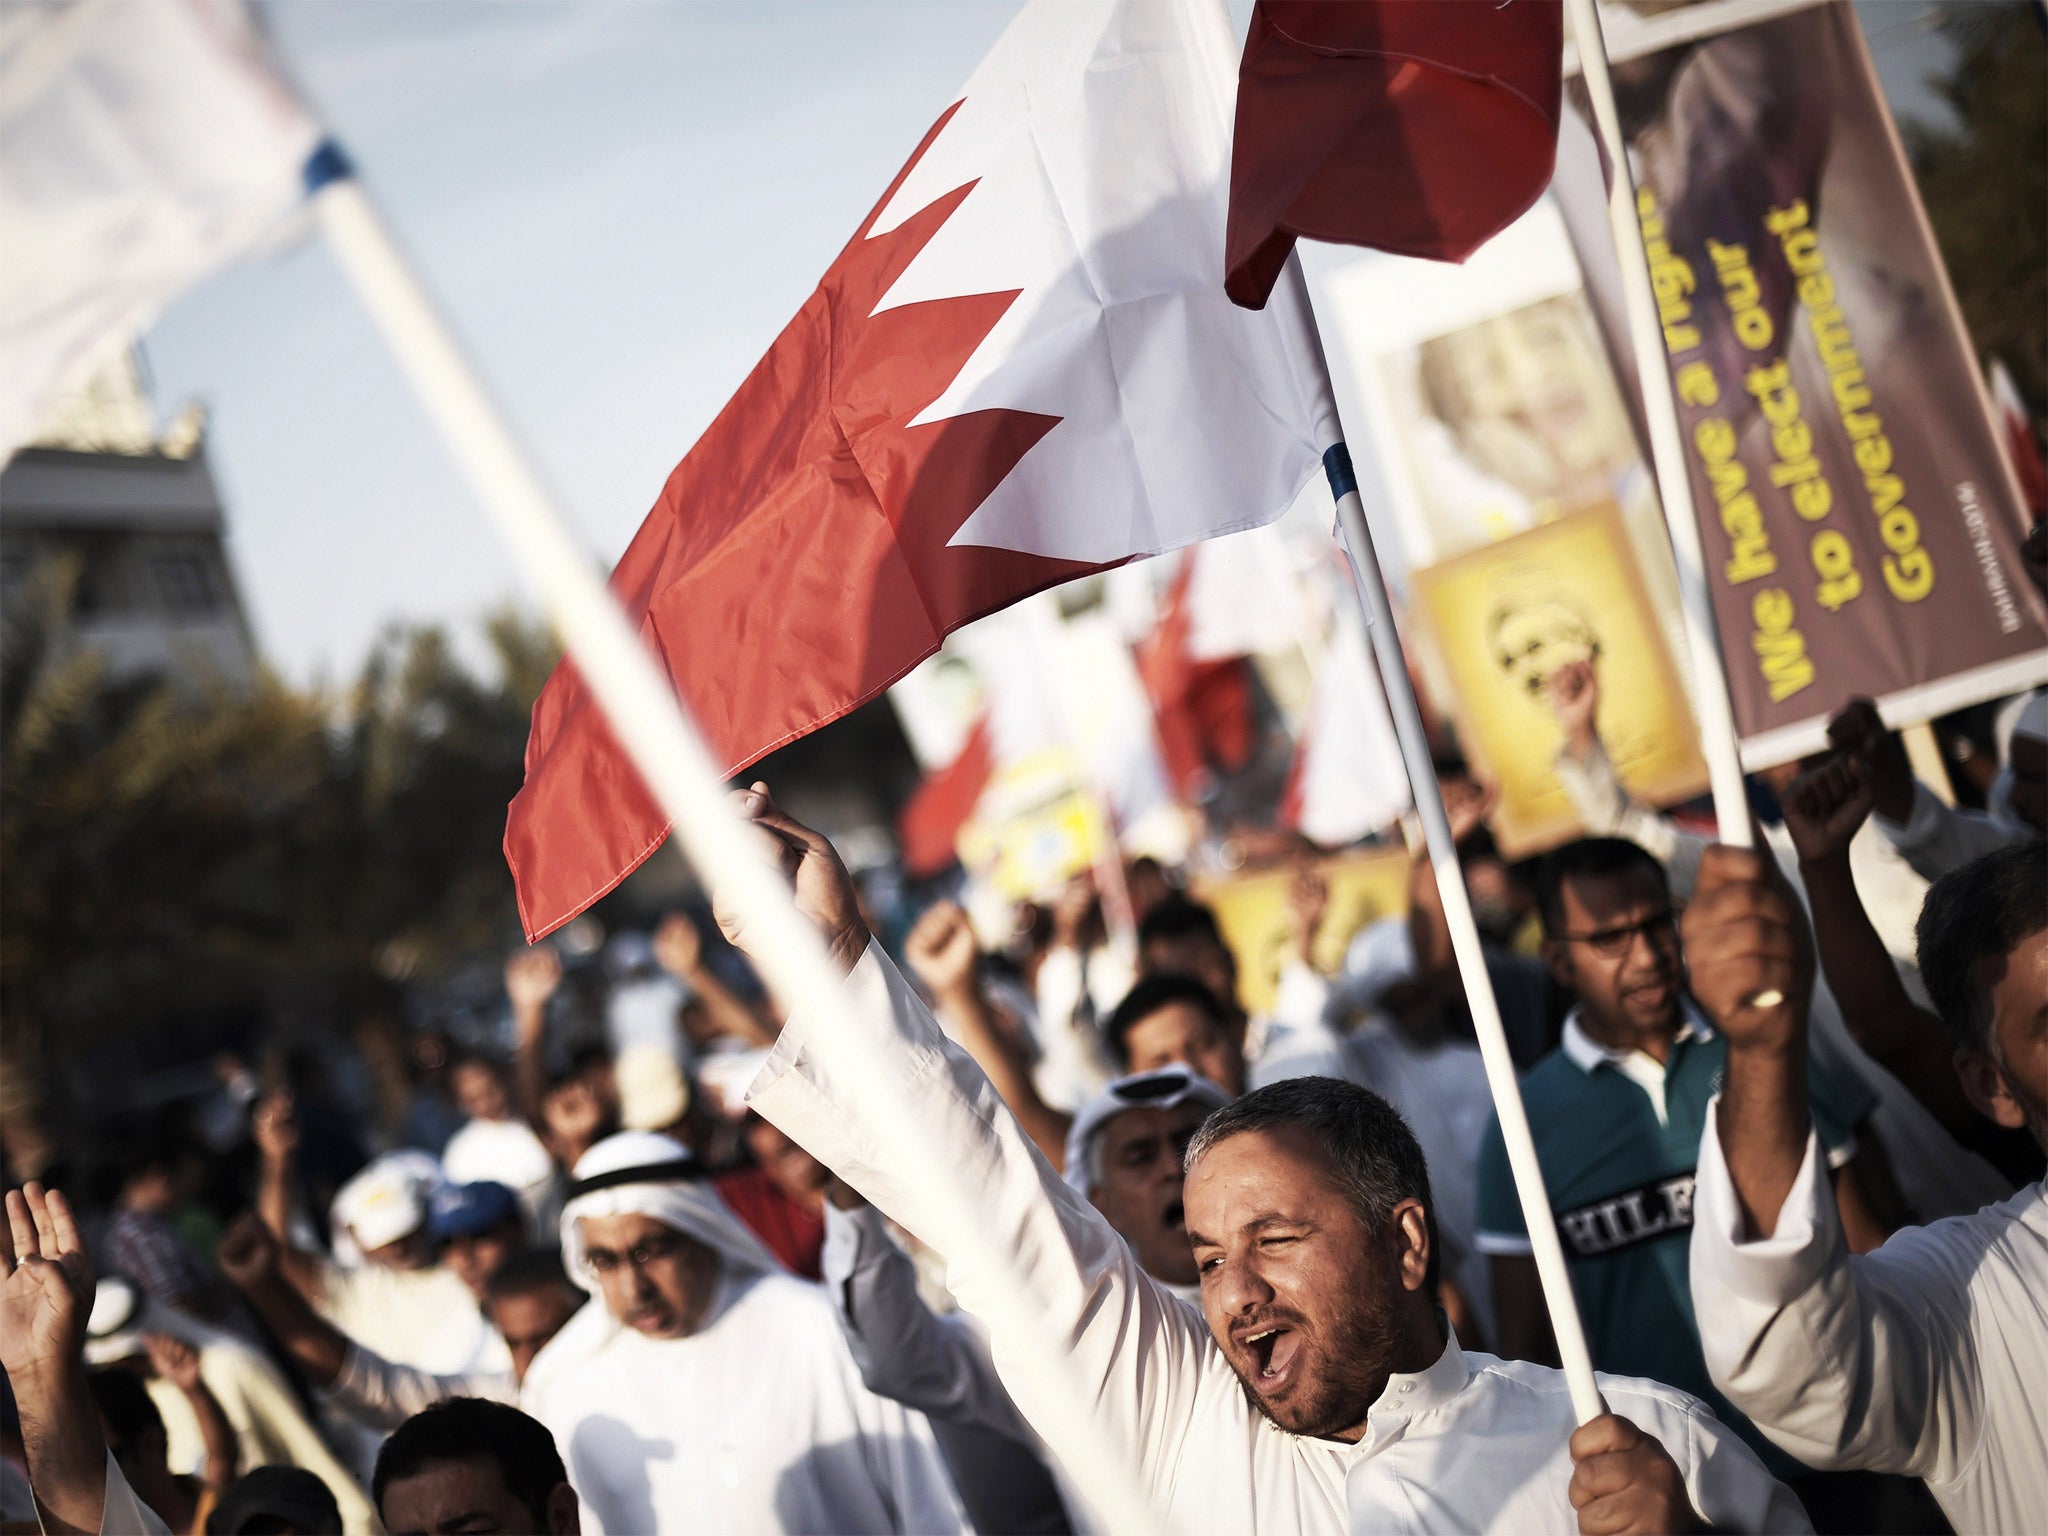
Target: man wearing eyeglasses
{"x": 1618, "y": 1110}
{"x": 710, "y": 1389}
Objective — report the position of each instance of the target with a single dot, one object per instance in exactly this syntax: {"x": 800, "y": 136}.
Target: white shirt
{"x": 1471, "y": 1444}
{"x": 383, "y": 1394}
{"x": 423, "y": 1317}
{"x": 757, "y": 1422}
{"x": 1928, "y": 1357}
{"x": 124, "y": 1514}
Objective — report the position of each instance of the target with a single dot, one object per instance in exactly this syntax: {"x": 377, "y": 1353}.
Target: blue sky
{"x": 619, "y": 202}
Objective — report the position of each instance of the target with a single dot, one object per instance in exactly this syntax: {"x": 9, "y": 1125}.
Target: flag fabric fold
{"x": 141, "y": 147}
{"x": 1421, "y": 127}
{"x": 1021, "y": 369}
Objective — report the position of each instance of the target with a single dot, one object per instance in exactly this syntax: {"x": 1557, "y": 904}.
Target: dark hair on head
{"x": 529, "y": 1270}
{"x": 1175, "y": 917}
{"x": 1979, "y": 912}
{"x": 1151, "y": 994}
{"x": 125, "y": 1408}
{"x": 1366, "y": 1146}
{"x": 474, "y": 1429}
{"x": 1589, "y": 858}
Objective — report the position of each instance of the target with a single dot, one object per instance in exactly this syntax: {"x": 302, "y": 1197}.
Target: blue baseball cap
{"x": 464, "y": 1210}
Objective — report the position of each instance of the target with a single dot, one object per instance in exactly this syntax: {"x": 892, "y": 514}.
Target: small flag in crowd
{"x": 1419, "y": 128}
{"x": 1022, "y": 368}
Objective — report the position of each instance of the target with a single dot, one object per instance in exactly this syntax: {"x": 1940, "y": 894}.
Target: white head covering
{"x": 642, "y": 1173}
{"x": 1165, "y": 1088}
{"x": 385, "y": 1201}
{"x": 1381, "y": 956}
{"x": 2026, "y": 715}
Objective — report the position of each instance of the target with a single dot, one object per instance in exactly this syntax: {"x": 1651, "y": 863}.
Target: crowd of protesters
{"x": 657, "y": 1275}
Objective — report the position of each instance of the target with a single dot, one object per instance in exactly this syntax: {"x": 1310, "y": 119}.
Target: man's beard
{"x": 1355, "y": 1357}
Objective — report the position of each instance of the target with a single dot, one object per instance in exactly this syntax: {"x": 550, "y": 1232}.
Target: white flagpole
{"x": 1667, "y": 445}
{"x": 1565, "y": 1324}
{"x": 665, "y": 747}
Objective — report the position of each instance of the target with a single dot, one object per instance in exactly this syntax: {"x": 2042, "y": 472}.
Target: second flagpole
{"x": 1572, "y": 1351}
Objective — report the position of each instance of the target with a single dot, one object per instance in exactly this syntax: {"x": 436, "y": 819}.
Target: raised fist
{"x": 1624, "y": 1481}
{"x": 1747, "y": 951}
{"x": 1824, "y": 809}
{"x": 248, "y": 1252}
{"x": 942, "y": 949}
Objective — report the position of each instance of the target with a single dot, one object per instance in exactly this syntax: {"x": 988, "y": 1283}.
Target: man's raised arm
{"x": 1830, "y": 1359}
{"x": 1140, "y": 1353}
{"x": 46, "y": 1289}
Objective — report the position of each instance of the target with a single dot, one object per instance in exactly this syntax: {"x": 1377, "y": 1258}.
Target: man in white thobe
{"x": 710, "y": 1391}
{"x": 1324, "y": 1394}
{"x": 1124, "y": 1156}
{"x": 1928, "y": 1357}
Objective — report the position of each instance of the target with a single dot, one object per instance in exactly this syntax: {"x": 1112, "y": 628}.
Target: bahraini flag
{"x": 1020, "y": 370}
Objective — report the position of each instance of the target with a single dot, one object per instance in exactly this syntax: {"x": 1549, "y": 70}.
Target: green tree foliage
{"x": 163, "y": 858}
{"x": 1985, "y": 182}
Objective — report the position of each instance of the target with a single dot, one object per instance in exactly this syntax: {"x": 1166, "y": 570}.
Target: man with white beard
{"x": 711, "y": 1390}
{"x": 1325, "y": 1394}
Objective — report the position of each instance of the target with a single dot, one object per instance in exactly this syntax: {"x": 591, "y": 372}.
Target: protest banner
{"x": 1505, "y": 616}
{"x": 1856, "y": 513}
{"x": 1252, "y": 910}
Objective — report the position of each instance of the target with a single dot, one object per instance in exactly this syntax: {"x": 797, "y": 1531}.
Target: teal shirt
{"x": 1621, "y": 1183}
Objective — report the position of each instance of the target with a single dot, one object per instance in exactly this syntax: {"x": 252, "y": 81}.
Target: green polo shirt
{"x": 1618, "y": 1137}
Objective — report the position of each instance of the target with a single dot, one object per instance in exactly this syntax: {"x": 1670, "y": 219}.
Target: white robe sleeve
{"x": 1139, "y": 1352}
{"x": 1607, "y": 809}
{"x": 907, "y": 1353}
{"x": 1845, "y": 1362}
{"x": 1937, "y": 838}
{"x": 124, "y": 1514}
{"x": 384, "y": 1393}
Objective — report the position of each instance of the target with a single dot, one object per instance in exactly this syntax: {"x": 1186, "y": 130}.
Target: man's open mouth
{"x": 1175, "y": 1217}
{"x": 1273, "y": 1350}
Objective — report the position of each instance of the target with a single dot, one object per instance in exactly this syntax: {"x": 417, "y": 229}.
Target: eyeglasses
{"x": 1612, "y": 943}
{"x": 603, "y": 1261}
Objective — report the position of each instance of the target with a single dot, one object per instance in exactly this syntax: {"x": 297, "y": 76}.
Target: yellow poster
{"x": 1252, "y": 910}
{"x": 1504, "y": 617}
{"x": 1034, "y": 829}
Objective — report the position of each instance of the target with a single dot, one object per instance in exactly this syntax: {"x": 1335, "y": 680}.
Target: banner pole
{"x": 665, "y": 747}
{"x": 1667, "y": 444}
{"x": 1537, "y": 1217}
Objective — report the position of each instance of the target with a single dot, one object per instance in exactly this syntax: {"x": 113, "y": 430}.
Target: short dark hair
{"x": 1589, "y": 858}
{"x": 1983, "y": 911}
{"x": 529, "y": 1270}
{"x": 475, "y": 1429}
{"x": 1151, "y": 994}
{"x": 1366, "y": 1145}
{"x": 1175, "y": 917}
{"x": 125, "y": 1409}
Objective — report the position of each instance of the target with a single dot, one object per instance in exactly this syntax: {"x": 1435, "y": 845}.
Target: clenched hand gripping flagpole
{"x": 665, "y": 747}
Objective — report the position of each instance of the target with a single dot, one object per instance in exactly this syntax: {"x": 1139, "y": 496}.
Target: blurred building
{"x": 136, "y": 511}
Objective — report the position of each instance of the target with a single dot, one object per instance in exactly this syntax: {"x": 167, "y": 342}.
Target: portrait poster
{"x": 1502, "y": 618}
{"x": 1252, "y": 910}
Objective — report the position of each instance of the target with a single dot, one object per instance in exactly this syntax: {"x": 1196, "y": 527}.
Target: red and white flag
{"x": 1346, "y": 780}
{"x": 1021, "y": 369}
{"x": 1422, "y": 127}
